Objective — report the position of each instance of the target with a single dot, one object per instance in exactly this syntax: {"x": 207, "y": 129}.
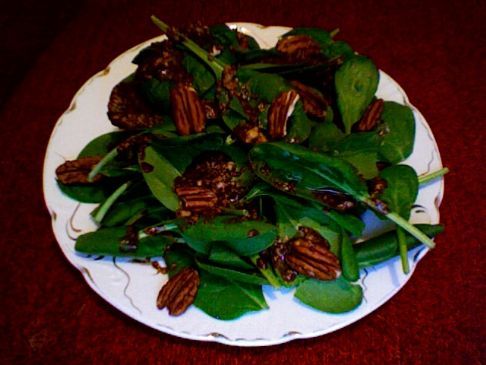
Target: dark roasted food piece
{"x": 128, "y": 110}
{"x": 314, "y": 102}
{"x": 249, "y": 133}
{"x": 279, "y": 113}
{"x": 77, "y": 171}
{"x": 309, "y": 255}
{"x": 371, "y": 117}
{"x": 208, "y": 186}
{"x": 179, "y": 292}
{"x": 162, "y": 61}
{"x": 187, "y": 110}
{"x": 299, "y": 48}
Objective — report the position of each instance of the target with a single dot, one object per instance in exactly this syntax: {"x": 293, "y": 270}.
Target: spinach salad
{"x": 243, "y": 167}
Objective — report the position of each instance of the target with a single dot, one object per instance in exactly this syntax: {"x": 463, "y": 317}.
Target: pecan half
{"x": 77, "y": 171}
{"x": 312, "y": 259}
{"x": 314, "y": 102}
{"x": 179, "y": 292}
{"x": 298, "y": 47}
{"x": 371, "y": 117}
{"x": 196, "y": 198}
{"x": 187, "y": 109}
{"x": 279, "y": 113}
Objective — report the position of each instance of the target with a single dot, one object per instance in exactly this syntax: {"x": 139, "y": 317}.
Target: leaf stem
{"x": 423, "y": 179}
{"x": 110, "y": 156}
{"x": 267, "y": 272}
{"x": 406, "y": 225}
{"x": 403, "y": 249}
{"x": 155, "y": 229}
{"x": 215, "y": 65}
{"x": 103, "y": 209}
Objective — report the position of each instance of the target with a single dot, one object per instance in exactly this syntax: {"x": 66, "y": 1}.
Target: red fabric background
{"x": 435, "y": 50}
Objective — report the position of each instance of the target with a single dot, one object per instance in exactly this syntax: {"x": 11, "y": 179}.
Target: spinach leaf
{"x": 300, "y": 125}
{"x": 266, "y": 86}
{"x": 324, "y": 136}
{"x": 297, "y": 170}
{"x": 398, "y": 129}
{"x": 232, "y": 119}
{"x": 181, "y": 152}
{"x": 91, "y": 193}
{"x": 226, "y": 300}
{"x": 292, "y": 214}
{"x": 356, "y": 82}
{"x": 338, "y": 296}
{"x": 402, "y": 188}
{"x": 361, "y": 151}
{"x": 202, "y": 77}
{"x": 233, "y": 275}
{"x": 159, "y": 175}
{"x": 123, "y": 211}
{"x": 339, "y": 49}
{"x": 278, "y": 163}
{"x": 227, "y": 257}
{"x": 157, "y": 93}
{"x": 103, "y": 144}
{"x": 177, "y": 258}
{"x": 106, "y": 241}
{"x": 399, "y": 195}
{"x": 349, "y": 222}
{"x": 246, "y": 238}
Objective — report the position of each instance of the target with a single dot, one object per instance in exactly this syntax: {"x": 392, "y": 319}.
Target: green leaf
{"x": 202, "y": 76}
{"x": 106, "y": 241}
{"x": 360, "y": 150}
{"x": 103, "y": 144}
{"x": 349, "y": 222}
{"x": 226, "y": 300}
{"x": 324, "y": 136}
{"x": 385, "y": 246}
{"x": 159, "y": 175}
{"x": 92, "y": 193}
{"x": 245, "y": 238}
{"x": 266, "y": 86}
{"x": 123, "y": 211}
{"x": 233, "y": 275}
{"x": 356, "y": 83}
{"x": 232, "y": 119}
{"x": 338, "y": 296}
{"x": 226, "y": 257}
{"x": 157, "y": 93}
{"x": 300, "y": 125}
{"x": 402, "y": 188}
{"x": 177, "y": 258}
{"x": 181, "y": 152}
{"x": 279, "y": 163}
{"x": 398, "y": 129}
{"x": 339, "y": 49}
{"x": 349, "y": 264}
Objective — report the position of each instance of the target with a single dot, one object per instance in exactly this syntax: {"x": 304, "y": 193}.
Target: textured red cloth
{"x": 435, "y": 50}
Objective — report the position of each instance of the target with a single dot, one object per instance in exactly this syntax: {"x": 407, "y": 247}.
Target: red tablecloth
{"x": 433, "y": 49}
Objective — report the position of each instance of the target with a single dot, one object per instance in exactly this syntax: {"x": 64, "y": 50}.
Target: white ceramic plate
{"x": 133, "y": 287}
